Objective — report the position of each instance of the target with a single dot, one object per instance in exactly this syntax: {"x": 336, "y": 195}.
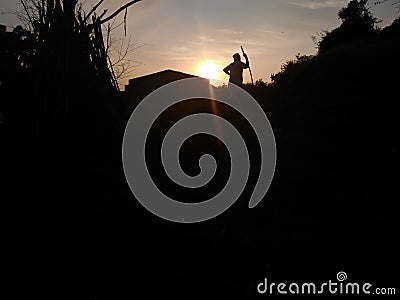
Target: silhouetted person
{"x": 235, "y": 69}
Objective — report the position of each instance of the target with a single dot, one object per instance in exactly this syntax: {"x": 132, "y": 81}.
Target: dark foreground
{"x": 74, "y": 230}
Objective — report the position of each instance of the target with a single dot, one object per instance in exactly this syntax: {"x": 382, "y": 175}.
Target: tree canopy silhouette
{"x": 357, "y": 22}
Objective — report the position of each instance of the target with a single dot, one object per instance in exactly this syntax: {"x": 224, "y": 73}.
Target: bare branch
{"x": 93, "y": 10}
{"x": 104, "y": 12}
{"x": 121, "y": 9}
{"x": 126, "y": 13}
{"x": 396, "y": 2}
{"x": 27, "y": 12}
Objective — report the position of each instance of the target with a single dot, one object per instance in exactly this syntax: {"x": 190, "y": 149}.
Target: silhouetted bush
{"x": 290, "y": 69}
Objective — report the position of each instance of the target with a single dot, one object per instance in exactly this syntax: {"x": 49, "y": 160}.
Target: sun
{"x": 209, "y": 70}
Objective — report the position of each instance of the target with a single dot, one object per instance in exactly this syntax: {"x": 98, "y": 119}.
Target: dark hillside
{"x": 336, "y": 116}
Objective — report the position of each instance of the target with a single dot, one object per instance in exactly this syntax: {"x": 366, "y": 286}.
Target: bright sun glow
{"x": 209, "y": 70}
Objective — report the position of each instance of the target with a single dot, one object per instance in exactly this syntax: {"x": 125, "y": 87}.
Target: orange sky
{"x": 182, "y": 34}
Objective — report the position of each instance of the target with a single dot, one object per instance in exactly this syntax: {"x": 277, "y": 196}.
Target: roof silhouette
{"x": 138, "y": 88}
{"x": 165, "y": 74}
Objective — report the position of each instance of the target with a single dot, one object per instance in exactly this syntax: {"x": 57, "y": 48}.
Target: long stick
{"x": 251, "y": 73}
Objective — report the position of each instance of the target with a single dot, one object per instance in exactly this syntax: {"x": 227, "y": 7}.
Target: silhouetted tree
{"x": 357, "y": 13}
{"x": 69, "y": 104}
{"x": 357, "y": 22}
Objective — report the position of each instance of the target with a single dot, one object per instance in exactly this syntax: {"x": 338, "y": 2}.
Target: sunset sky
{"x": 182, "y": 34}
